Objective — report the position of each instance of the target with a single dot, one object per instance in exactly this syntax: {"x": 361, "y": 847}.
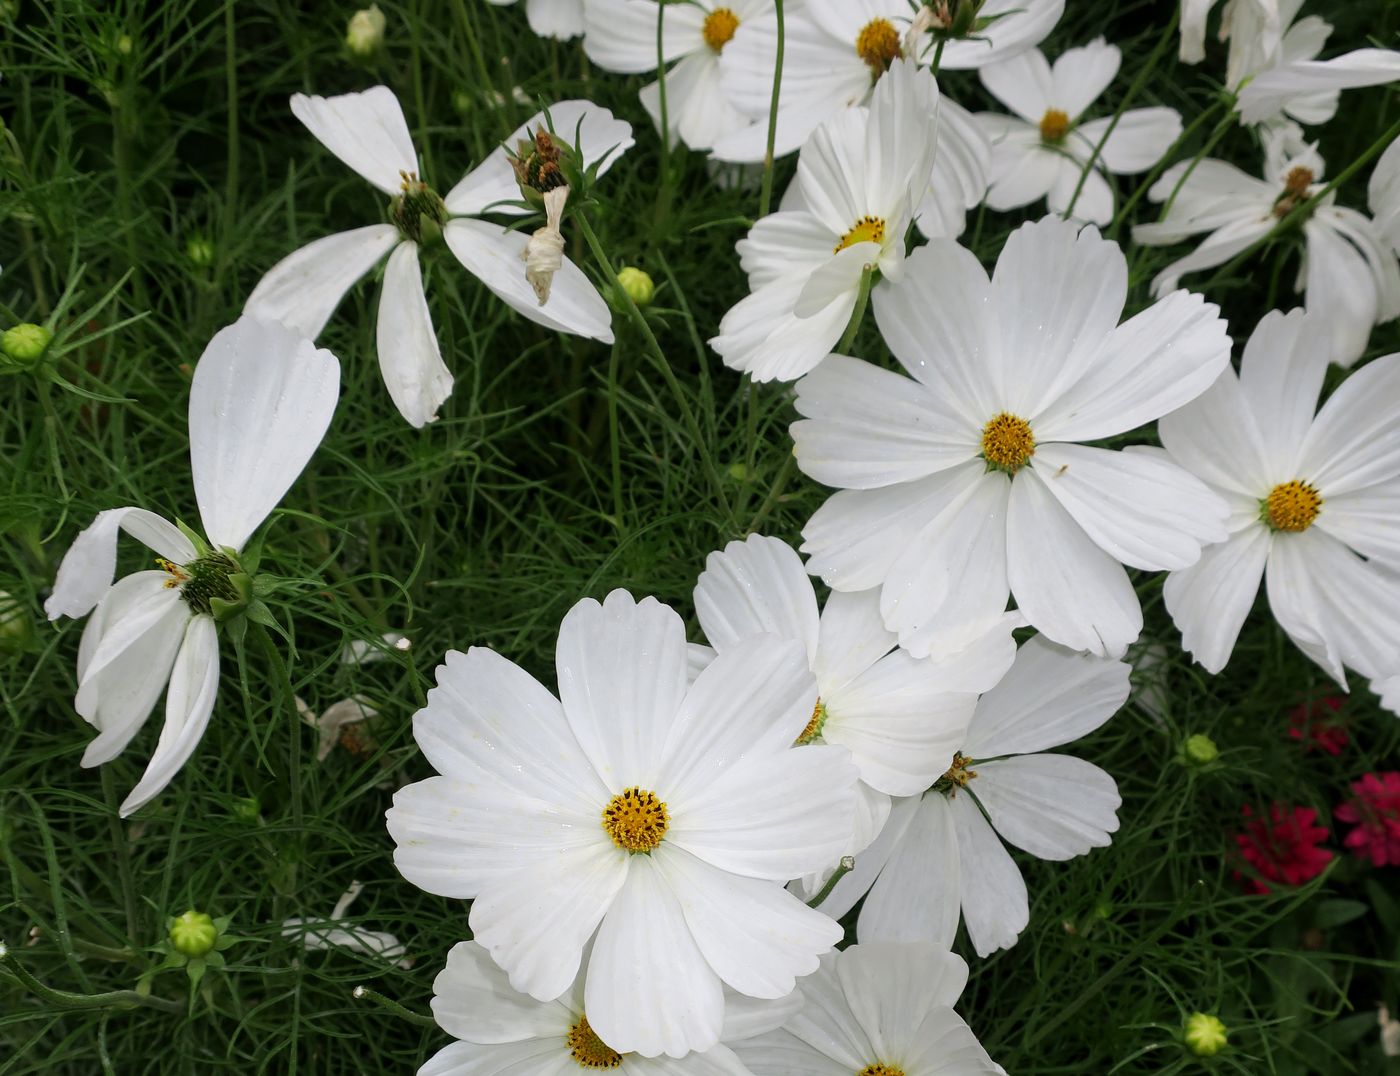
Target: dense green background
{"x": 131, "y": 129}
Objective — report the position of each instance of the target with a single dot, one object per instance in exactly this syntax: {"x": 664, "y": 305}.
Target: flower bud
{"x": 1200, "y": 749}
{"x": 16, "y": 631}
{"x": 193, "y": 933}
{"x": 638, "y": 285}
{"x": 365, "y": 34}
{"x": 1204, "y": 1034}
{"x": 24, "y": 345}
{"x": 124, "y": 45}
{"x": 200, "y": 250}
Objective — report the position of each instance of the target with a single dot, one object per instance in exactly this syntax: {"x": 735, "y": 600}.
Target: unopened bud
{"x": 193, "y": 933}
{"x": 638, "y": 285}
{"x": 24, "y": 345}
{"x": 365, "y": 34}
{"x": 1204, "y": 1034}
{"x": 124, "y": 45}
{"x": 1200, "y": 749}
{"x": 200, "y": 250}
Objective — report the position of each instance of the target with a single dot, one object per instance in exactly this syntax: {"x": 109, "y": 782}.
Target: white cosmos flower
{"x": 559, "y": 19}
{"x": 337, "y": 933}
{"x": 876, "y": 1009}
{"x": 940, "y": 852}
{"x": 1315, "y": 503}
{"x": 1349, "y": 273}
{"x": 503, "y": 1031}
{"x": 621, "y": 37}
{"x": 663, "y": 815}
{"x": 898, "y": 715}
{"x": 1287, "y": 79}
{"x": 1383, "y": 196}
{"x": 1193, "y": 25}
{"x": 260, "y": 402}
{"x": 836, "y": 50}
{"x": 368, "y": 132}
{"x": 861, "y": 176}
{"x": 1043, "y": 150}
{"x": 965, "y": 482}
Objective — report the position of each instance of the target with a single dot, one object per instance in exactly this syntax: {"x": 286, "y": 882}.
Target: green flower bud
{"x": 637, "y": 284}
{"x": 24, "y": 345}
{"x": 124, "y": 45}
{"x": 200, "y": 250}
{"x": 365, "y": 34}
{"x": 15, "y": 627}
{"x": 247, "y": 809}
{"x": 1200, "y": 749}
{"x": 1204, "y": 1034}
{"x": 193, "y": 933}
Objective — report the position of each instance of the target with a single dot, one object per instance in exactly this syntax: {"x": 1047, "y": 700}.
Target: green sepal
{"x": 263, "y": 585}
{"x": 225, "y": 612}
{"x": 201, "y": 547}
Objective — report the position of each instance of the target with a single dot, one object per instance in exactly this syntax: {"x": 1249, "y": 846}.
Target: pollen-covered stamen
{"x": 866, "y": 230}
{"x": 878, "y": 45}
{"x": 720, "y": 26}
{"x": 813, "y": 728}
{"x": 881, "y": 1068}
{"x": 1054, "y": 125}
{"x": 417, "y": 211}
{"x": 202, "y": 580}
{"x": 178, "y": 575}
{"x": 1291, "y": 506}
{"x": 586, "y": 1048}
{"x": 636, "y": 819}
{"x": 1007, "y": 443}
{"x": 957, "y": 775}
{"x": 1295, "y": 190}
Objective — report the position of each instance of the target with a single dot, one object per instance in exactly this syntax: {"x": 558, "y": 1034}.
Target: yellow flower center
{"x": 1295, "y": 190}
{"x": 878, "y": 45}
{"x": 588, "y": 1049}
{"x": 1292, "y": 506}
{"x": 1007, "y": 443}
{"x": 958, "y": 773}
{"x": 880, "y": 1068}
{"x": 720, "y": 25}
{"x": 866, "y": 230}
{"x": 1054, "y": 125}
{"x": 813, "y": 728}
{"x": 636, "y": 820}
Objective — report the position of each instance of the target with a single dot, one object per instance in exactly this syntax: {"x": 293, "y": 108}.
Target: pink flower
{"x": 1283, "y": 849}
{"x": 1313, "y": 725}
{"x": 1376, "y": 812}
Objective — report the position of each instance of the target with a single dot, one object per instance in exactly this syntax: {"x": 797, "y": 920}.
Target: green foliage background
{"x": 132, "y": 129}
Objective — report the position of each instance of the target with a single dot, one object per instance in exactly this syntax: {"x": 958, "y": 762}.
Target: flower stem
{"x": 858, "y": 314}
{"x": 113, "y": 999}
{"x": 847, "y": 864}
{"x": 765, "y": 197}
{"x": 364, "y": 993}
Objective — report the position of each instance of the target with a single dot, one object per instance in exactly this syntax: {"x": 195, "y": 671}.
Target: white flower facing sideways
{"x": 1383, "y": 195}
{"x": 559, "y": 19}
{"x": 1043, "y": 150}
{"x": 941, "y": 853}
{"x": 966, "y": 481}
{"x": 1349, "y": 272}
{"x": 876, "y": 1009}
{"x": 503, "y": 1031}
{"x": 368, "y": 132}
{"x": 836, "y": 50}
{"x": 621, "y": 37}
{"x": 661, "y": 815}
{"x": 338, "y": 933}
{"x": 862, "y": 174}
{"x": 1194, "y": 14}
{"x": 898, "y": 715}
{"x": 260, "y": 402}
{"x": 1315, "y": 503}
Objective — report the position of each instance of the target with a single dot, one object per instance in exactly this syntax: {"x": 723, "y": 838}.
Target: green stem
{"x": 847, "y": 864}
{"x": 1161, "y": 166}
{"x": 231, "y": 171}
{"x": 113, "y": 999}
{"x": 119, "y": 842}
{"x": 364, "y": 993}
{"x": 614, "y": 438}
{"x": 765, "y": 197}
{"x": 284, "y": 682}
{"x": 937, "y": 56}
{"x": 858, "y": 314}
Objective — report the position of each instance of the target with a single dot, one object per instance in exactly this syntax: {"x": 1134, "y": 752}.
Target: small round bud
{"x": 24, "y": 345}
{"x": 200, "y": 250}
{"x": 1204, "y": 1034}
{"x": 15, "y": 628}
{"x": 462, "y": 102}
{"x": 193, "y": 933}
{"x": 247, "y": 809}
{"x": 365, "y": 34}
{"x": 124, "y": 45}
{"x": 637, "y": 284}
{"x": 1200, "y": 749}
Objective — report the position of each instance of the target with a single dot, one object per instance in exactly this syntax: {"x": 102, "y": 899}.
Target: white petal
{"x": 1341, "y": 290}
{"x": 915, "y": 899}
{"x": 91, "y": 561}
{"x": 620, "y": 35}
{"x": 559, "y": 19}
{"x": 746, "y": 1017}
{"x": 891, "y": 987}
{"x": 865, "y": 427}
{"x": 649, "y": 988}
{"x": 869, "y": 863}
{"x": 1355, "y": 440}
{"x": 824, "y": 1034}
{"x": 1052, "y": 806}
{"x": 1265, "y": 95}
{"x": 1093, "y": 202}
{"x": 194, "y": 684}
{"x": 473, "y": 999}
{"x": 1281, "y": 375}
{"x": 1210, "y": 600}
{"x": 1023, "y": 83}
{"x": 140, "y": 603}
{"x": 1243, "y": 229}
{"x": 1153, "y": 363}
{"x": 1217, "y": 438}
{"x": 304, "y": 288}
{"x": 409, "y": 357}
{"x": 1022, "y": 169}
{"x": 1021, "y": 25}
{"x": 261, "y": 399}
{"x": 1064, "y": 584}
{"x": 622, "y": 676}
{"x": 365, "y": 130}
{"x": 1050, "y": 696}
{"x": 945, "y": 1041}
{"x": 781, "y": 1053}
{"x": 753, "y": 587}
{"x": 994, "y": 902}
{"x": 536, "y": 920}
{"x": 755, "y": 935}
{"x": 1138, "y": 140}
{"x": 762, "y": 335}
{"x": 960, "y": 174}
{"x": 851, "y": 637}
{"x": 1080, "y": 76}
{"x": 1368, "y": 520}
